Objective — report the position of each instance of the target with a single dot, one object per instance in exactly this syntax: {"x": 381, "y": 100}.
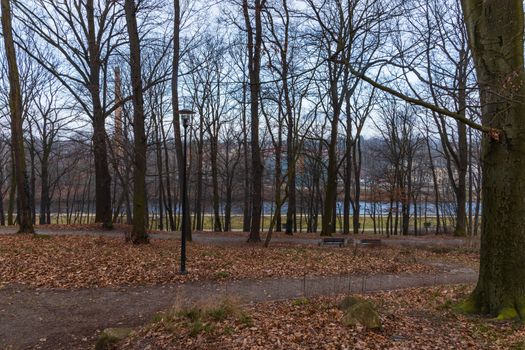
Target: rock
{"x": 362, "y": 313}
{"x": 348, "y": 302}
{"x": 111, "y": 336}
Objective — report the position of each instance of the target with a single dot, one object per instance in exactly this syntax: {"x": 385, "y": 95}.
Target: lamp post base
{"x": 185, "y": 272}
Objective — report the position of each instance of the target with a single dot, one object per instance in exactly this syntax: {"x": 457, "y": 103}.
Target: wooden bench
{"x": 370, "y": 242}
{"x": 341, "y": 242}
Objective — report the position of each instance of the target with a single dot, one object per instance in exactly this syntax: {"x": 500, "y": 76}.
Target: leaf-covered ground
{"x": 86, "y": 261}
{"x": 418, "y": 318}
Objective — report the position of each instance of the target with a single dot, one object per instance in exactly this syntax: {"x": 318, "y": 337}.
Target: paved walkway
{"x": 70, "y": 319}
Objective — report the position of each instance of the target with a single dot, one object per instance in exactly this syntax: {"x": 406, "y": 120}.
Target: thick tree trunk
{"x": 337, "y": 96}
{"x": 138, "y": 234}
{"x": 495, "y": 31}
{"x": 102, "y": 176}
{"x": 17, "y": 133}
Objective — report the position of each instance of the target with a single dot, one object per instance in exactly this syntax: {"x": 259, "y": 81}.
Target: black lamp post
{"x": 185, "y": 115}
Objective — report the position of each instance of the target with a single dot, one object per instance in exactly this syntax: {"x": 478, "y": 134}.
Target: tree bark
{"x": 138, "y": 234}
{"x": 254, "y": 64}
{"x": 17, "y": 133}
{"x": 461, "y": 190}
{"x": 495, "y": 31}
{"x": 102, "y": 176}
{"x": 44, "y": 186}
{"x": 356, "y": 203}
{"x": 175, "y": 105}
{"x": 217, "y": 226}
{"x": 246, "y": 217}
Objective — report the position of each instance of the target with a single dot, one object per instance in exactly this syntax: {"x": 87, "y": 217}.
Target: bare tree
{"x": 254, "y": 34}
{"x": 138, "y": 234}
{"x": 25, "y": 221}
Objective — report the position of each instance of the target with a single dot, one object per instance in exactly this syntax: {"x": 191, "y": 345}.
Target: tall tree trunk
{"x": 169, "y": 199}
{"x": 175, "y": 106}
{"x": 158, "y": 153}
{"x": 32, "y": 176}
{"x": 228, "y": 190}
{"x": 407, "y": 193}
{"x": 495, "y": 31}
{"x": 434, "y": 182}
{"x": 278, "y": 181}
{"x": 17, "y": 133}
{"x": 328, "y": 223}
{"x": 199, "y": 191}
{"x": 217, "y": 226}
{"x": 102, "y": 176}
{"x": 254, "y": 64}
{"x": 247, "y": 217}
{"x": 356, "y": 165}
{"x": 470, "y": 185}
{"x": 348, "y": 173}
{"x": 291, "y": 214}
{"x": 461, "y": 192}
{"x": 138, "y": 234}
{"x": 337, "y": 96}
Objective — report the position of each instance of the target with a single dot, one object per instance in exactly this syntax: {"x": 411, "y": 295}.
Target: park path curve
{"x": 70, "y": 319}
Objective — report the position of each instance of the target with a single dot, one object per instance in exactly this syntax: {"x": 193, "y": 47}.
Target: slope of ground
{"x": 417, "y": 318}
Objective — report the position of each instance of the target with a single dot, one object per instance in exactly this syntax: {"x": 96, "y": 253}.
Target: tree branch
{"x": 492, "y": 132}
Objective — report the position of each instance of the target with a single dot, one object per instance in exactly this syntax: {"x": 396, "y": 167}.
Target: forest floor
{"x": 65, "y": 261}
{"x": 59, "y": 291}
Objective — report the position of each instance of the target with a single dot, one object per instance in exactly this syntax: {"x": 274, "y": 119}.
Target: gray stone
{"x": 362, "y": 313}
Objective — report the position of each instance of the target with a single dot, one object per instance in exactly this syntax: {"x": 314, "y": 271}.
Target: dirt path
{"x": 70, "y": 319}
